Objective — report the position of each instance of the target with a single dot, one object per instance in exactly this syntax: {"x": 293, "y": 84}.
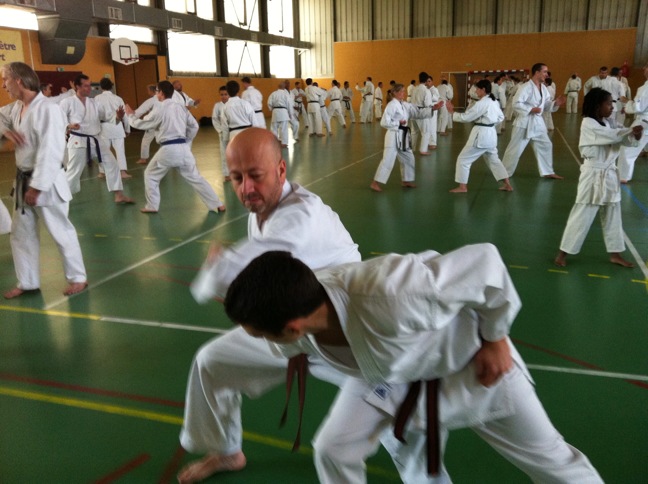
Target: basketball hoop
{"x": 124, "y": 51}
{"x": 130, "y": 60}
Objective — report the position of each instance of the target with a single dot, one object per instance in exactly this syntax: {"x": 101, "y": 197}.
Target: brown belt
{"x": 296, "y": 365}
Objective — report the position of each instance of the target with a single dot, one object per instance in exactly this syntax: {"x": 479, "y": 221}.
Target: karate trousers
{"x": 78, "y": 158}
{"x": 147, "y": 139}
{"x": 469, "y": 155}
{"x": 390, "y": 153}
{"x": 314, "y": 119}
{"x": 542, "y": 148}
{"x": 179, "y": 157}
{"x": 580, "y": 220}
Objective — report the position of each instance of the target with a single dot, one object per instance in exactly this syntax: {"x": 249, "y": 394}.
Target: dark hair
{"x": 79, "y": 79}
{"x": 549, "y": 81}
{"x": 537, "y": 67}
{"x": 272, "y": 290}
{"x": 222, "y": 88}
{"x": 486, "y": 86}
{"x": 232, "y": 88}
{"x": 166, "y": 88}
{"x": 106, "y": 84}
{"x": 614, "y": 71}
{"x": 43, "y": 86}
{"x": 309, "y": 81}
{"x": 603, "y": 68}
{"x": 246, "y": 80}
{"x": 368, "y": 78}
{"x": 423, "y": 76}
{"x": 592, "y": 103}
{"x": 444, "y": 81}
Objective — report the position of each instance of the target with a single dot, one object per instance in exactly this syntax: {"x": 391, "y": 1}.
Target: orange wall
{"x": 564, "y": 53}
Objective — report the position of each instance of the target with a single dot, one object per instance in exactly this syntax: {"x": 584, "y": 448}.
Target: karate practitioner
{"x": 252, "y": 95}
{"x": 237, "y": 114}
{"x": 36, "y": 126}
{"x": 113, "y": 134}
{"x": 529, "y": 103}
{"x": 347, "y": 95}
{"x": 600, "y": 80}
{"x": 326, "y": 119}
{"x": 221, "y": 129}
{"x": 598, "y": 185}
{"x": 397, "y": 139}
{"x": 281, "y": 106}
{"x": 335, "y": 106}
{"x": 313, "y": 94}
{"x": 410, "y": 89}
{"x": 84, "y": 117}
{"x": 638, "y": 107}
{"x": 175, "y": 127}
{"x": 446, "y": 93}
{"x": 397, "y": 323}
{"x": 546, "y": 114}
{"x": 422, "y": 127}
{"x": 366, "y": 105}
{"x": 46, "y": 89}
{"x": 285, "y": 216}
{"x": 182, "y": 97}
{"x": 500, "y": 85}
{"x": 572, "y": 88}
{"x": 149, "y": 135}
{"x": 378, "y": 101}
{"x": 486, "y": 114}
{"x": 299, "y": 97}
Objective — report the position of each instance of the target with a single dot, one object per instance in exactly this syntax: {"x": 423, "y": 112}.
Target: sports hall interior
{"x": 92, "y": 386}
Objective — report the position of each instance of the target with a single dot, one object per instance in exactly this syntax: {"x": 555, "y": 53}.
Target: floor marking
{"x": 343, "y": 168}
{"x": 600, "y": 276}
{"x": 558, "y": 271}
{"x": 173, "y": 466}
{"x": 512, "y": 266}
{"x": 124, "y": 469}
{"x": 577, "y": 371}
{"x": 640, "y": 282}
{"x": 101, "y": 235}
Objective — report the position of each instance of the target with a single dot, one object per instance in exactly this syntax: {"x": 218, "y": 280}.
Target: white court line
{"x": 159, "y": 324}
{"x": 638, "y": 259}
{"x": 605, "y": 374}
{"x": 180, "y": 244}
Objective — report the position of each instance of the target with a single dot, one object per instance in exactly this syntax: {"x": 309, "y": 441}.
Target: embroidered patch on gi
{"x": 382, "y": 391}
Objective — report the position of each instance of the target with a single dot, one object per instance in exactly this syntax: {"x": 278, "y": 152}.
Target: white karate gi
{"x": 313, "y": 94}
{"x": 223, "y": 134}
{"x": 503, "y": 101}
{"x": 572, "y": 88}
{"x": 173, "y": 122}
{"x": 378, "y": 101}
{"x": 294, "y": 117}
{"x": 410, "y": 89}
{"x": 366, "y": 104}
{"x": 546, "y": 115}
{"x": 237, "y": 363}
{"x": 255, "y": 98}
{"x": 149, "y": 135}
{"x": 114, "y": 133}
{"x": 530, "y": 127}
{"x": 596, "y": 81}
{"x": 64, "y": 95}
{"x": 347, "y": 95}
{"x": 43, "y": 126}
{"x": 628, "y": 155}
{"x": 89, "y": 116}
{"x": 482, "y": 139}
{"x": 281, "y": 106}
{"x": 298, "y": 99}
{"x": 421, "y": 317}
{"x": 598, "y": 186}
{"x": 395, "y": 144}
{"x": 511, "y": 91}
{"x": 237, "y": 115}
{"x": 335, "y": 105}
{"x": 183, "y": 99}
{"x": 422, "y": 127}
{"x": 445, "y": 94}
{"x": 326, "y": 119}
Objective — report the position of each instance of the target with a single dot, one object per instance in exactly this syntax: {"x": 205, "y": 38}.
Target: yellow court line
{"x": 600, "y": 276}
{"x": 558, "y": 271}
{"x": 512, "y": 266}
{"x": 640, "y": 282}
{"x": 100, "y": 235}
{"x": 49, "y": 312}
{"x": 163, "y": 418}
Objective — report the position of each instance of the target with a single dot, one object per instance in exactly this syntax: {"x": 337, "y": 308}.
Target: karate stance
{"x": 572, "y": 88}
{"x": 485, "y": 114}
{"x": 36, "y": 126}
{"x": 149, "y": 135}
{"x": 221, "y": 129}
{"x": 396, "y": 323}
{"x": 598, "y": 185}
{"x": 638, "y": 107}
{"x": 175, "y": 127}
{"x": 281, "y": 106}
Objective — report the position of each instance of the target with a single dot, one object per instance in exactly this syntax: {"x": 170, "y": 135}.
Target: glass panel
{"x": 280, "y": 17}
{"x": 175, "y": 6}
{"x": 136, "y": 34}
{"x": 242, "y": 13}
{"x": 282, "y": 61}
{"x": 18, "y": 18}
{"x": 192, "y": 53}
{"x": 243, "y": 58}
{"x": 205, "y": 9}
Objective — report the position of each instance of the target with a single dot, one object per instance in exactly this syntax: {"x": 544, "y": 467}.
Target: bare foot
{"x": 407, "y": 184}
{"x": 460, "y": 189}
{"x": 443, "y": 134}
{"x": 320, "y": 135}
{"x": 432, "y": 147}
{"x": 284, "y": 146}
{"x": 148, "y": 210}
{"x": 16, "y": 291}
{"x": 125, "y": 174}
{"x": 553, "y": 176}
{"x": 424, "y": 153}
{"x": 506, "y": 187}
{"x": 75, "y": 288}
{"x": 209, "y": 465}
{"x": 220, "y": 209}
{"x": 375, "y": 187}
{"x": 123, "y": 200}
{"x": 616, "y": 258}
{"x": 101, "y": 176}
{"x": 624, "y": 182}
{"x": 560, "y": 259}
{"x": 141, "y": 161}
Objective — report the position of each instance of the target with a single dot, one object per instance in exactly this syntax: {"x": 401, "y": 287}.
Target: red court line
{"x": 123, "y": 470}
{"x": 95, "y": 391}
{"x": 573, "y": 360}
{"x": 172, "y": 467}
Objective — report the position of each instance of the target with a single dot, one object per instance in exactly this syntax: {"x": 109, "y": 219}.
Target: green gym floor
{"x": 92, "y": 386}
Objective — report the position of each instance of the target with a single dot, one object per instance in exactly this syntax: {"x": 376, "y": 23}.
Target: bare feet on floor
{"x": 375, "y": 187}
{"x": 616, "y": 258}
{"x": 220, "y": 209}
{"x": 561, "y": 259}
{"x": 141, "y": 161}
{"x": 408, "y": 184}
{"x": 424, "y": 153}
{"x": 553, "y": 176}
{"x": 460, "y": 189}
{"x": 209, "y": 465}
{"x": 124, "y": 174}
{"x": 148, "y": 210}
{"x": 16, "y": 291}
{"x": 75, "y": 288}
{"x": 101, "y": 176}
{"x": 623, "y": 182}
{"x": 123, "y": 200}
{"x": 506, "y": 187}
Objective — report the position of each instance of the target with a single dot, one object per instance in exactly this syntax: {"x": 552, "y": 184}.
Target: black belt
{"x": 88, "y": 149}
{"x": 485, "y": 125}
{"x": 240, "y": 127}
{"x": 279, "y": 107}
{"x": 347, "y": 104}
{"x": 338, "y": 99}
{"x": 572, "y": 91}
{"x": 310, "y": 102}
{"x": 259, "y": 111}
{"x": 177, "y": 141}
{"x": 22, "y": 185}
{"x": 405, "y": 130}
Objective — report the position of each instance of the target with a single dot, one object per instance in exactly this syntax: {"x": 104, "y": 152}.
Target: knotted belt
{"x": 296, "y": 365}
{"x": 176, "y": 141}
{"x": 486, "y": 125}
{"x": 22, "y": 185}
{"x": 432, "y": 417}
{"x": 404, "y": 133}
{"x": 236, "y": 128}
{"x": 347, "y": 104}
{"x": 88, "y": 137}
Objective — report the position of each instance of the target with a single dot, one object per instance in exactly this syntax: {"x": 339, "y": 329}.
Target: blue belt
{"x": 177, "y": 141}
